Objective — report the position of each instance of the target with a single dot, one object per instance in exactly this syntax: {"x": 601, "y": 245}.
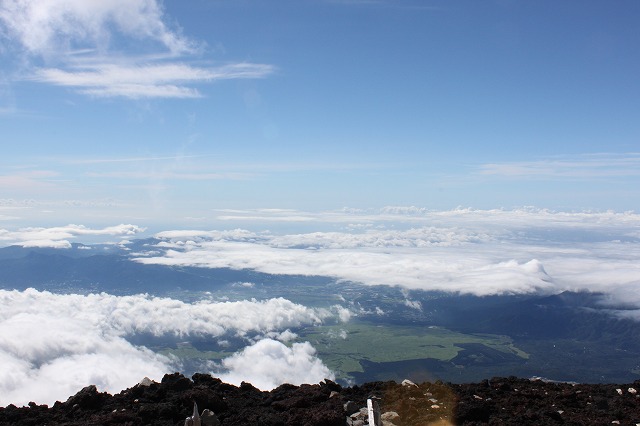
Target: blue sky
{"x": 162, "y": 114}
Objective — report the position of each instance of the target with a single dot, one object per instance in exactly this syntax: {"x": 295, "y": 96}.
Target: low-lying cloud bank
{"x": 480, "y": 252}
{"x": 59, "y": 236}
{"x": 269, "y": 363}
{"x": 52, "y": 345}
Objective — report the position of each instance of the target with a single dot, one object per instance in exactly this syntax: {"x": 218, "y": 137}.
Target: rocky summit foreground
{"x": 505, "y": 401}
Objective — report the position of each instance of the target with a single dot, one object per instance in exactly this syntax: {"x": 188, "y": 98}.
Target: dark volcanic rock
{"x": 88, "y": 399}
{"x": 505, "y": 401}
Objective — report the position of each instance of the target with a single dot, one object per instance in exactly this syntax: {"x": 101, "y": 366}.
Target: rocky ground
{"x": 504, "y": 401}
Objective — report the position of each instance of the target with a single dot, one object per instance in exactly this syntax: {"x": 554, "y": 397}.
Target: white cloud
{"x": 459, "y": 219}
{"x": 583, "y": 166}
{"x": 413, "y": 267}
{"x": 415, "y": 237}
{"x": 173, "y": 175}
{"x": 43, "y": 26}
{"x": 413, "y": 304}
{"x": 344, "y": 314}
{"x": 244, "y": 285}
{"x": 478, "y": 252}
{"x": 53, "y": 345}
{"x": 163, "y": 80}
{"x": 285, "y": 336}
{"x": 268, "y": 363}
{"x": 58, "y": 237}
{"x": 83, "y": 38}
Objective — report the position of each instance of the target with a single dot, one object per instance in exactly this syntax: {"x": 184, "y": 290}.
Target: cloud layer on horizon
{"x": 59, "y": 236}
{"x": 53, "y": 345}
{"x": 466, "y": 251}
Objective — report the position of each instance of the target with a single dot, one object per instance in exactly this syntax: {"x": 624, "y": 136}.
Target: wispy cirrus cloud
{"x": 108, "y": 160}
{"x": 43, "y": 26}
{"x": 83, "y": 38}
{"x": 591, "y": 166}
{"x": 146, "y": 80}
{"x": 30, "y": 180}
{"x": 169, "y": 175}
{"x": 386, "y": 3}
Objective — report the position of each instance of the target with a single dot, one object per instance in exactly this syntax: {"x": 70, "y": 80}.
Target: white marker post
{"x": 374, "y": 413}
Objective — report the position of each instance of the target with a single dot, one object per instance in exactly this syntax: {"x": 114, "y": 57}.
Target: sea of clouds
{"x": 52, "y": 345}
{"x": 479, "y": 252}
